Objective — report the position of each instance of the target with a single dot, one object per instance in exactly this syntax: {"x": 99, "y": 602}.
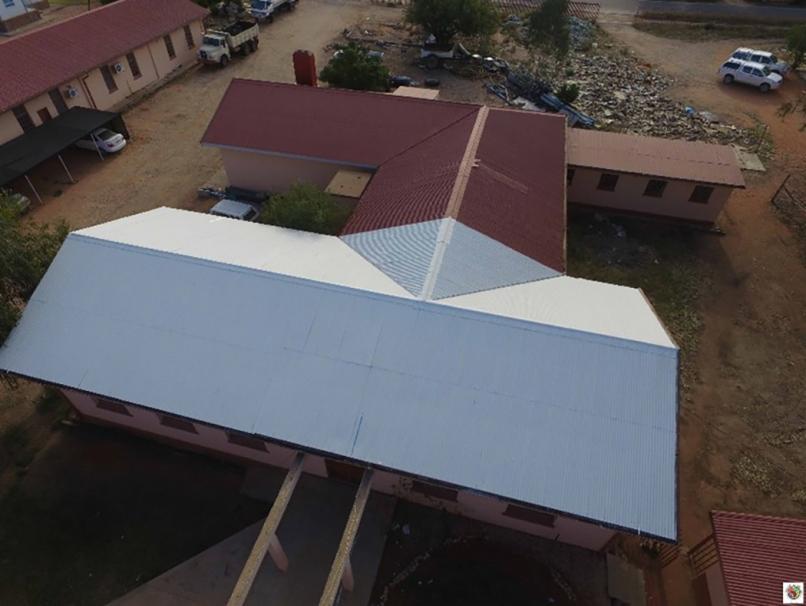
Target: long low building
{"x": 544, "y": 405}
{"x": 96, "y": 60}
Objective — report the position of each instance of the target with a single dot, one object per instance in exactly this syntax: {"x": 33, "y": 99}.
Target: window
{"x": 526, "y": 514}
{"x": 655, "y": 188}
{"x": 177, "y": 423}
{"x": 57, "y": 100}
{"x": 24, "y": 118}
{"x": 189, "y": 37}
{"x": 246, "y": 441}
{"x": 731, "y": 65}
{"x": 109, "y": 79}
{"x": 747, "y": 69}
{"x": 169, "y": 46}
{"x": 134, "y": 66}
{"x": 437, "y": 492}
{"x": 607, "y": 182}
{"x": 569, "y": 176}
{"x": 701, "y": 194}
{"x": 8, "y": 3}
{"x": 44, "y": 114}
{"x": 110, "y": 406}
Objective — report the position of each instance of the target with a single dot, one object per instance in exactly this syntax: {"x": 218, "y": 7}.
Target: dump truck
{"x": 263, "y": 10}
{"x": 218, "y": 46}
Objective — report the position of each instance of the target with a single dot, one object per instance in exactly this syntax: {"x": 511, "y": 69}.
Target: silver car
{"x": 232, "y": 209}
{"x": 754, "y": 74}
{"x": 765, "y": 58}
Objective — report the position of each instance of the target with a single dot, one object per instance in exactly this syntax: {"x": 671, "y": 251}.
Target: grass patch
{"x": 659, "y": 259}
{"x": 701, "y": 32}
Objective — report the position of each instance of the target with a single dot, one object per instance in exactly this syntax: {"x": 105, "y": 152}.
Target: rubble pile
{"x": 624, "y": 95}
{"x": 581, "y": 32}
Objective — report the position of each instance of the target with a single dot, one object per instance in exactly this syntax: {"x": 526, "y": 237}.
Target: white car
{"x": 754, "y": 74}
{"x": 765, "y": 58}
{"x": 103, "y": 140}
{"x": 233, "y": 209}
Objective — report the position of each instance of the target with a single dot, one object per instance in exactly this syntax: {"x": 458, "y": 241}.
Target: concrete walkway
{"x": 310, "y": 532}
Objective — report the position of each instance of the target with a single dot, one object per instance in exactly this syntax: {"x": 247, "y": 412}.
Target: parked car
{"x": 104, "y": 140}
{"x": 765, "y": 58}
{"x": 234, "y": 210}
{"x": 754, "y": 74}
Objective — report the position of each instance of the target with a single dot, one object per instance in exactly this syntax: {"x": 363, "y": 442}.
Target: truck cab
{"x": 214, "y": 47}
{"x": 262, "y": 10}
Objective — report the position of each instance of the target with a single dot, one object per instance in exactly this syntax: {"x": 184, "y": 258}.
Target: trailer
{"x": 218, "y": 46}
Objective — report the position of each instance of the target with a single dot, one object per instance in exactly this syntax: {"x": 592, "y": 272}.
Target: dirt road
{"x": 164, "y": 165}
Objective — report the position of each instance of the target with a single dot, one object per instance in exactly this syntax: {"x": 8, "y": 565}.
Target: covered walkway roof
{"x": 19, "y": 156}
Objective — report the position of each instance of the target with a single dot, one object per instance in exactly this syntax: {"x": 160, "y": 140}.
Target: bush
{"x": 548, "y": 28}
{"x": 307, "y": 208}
{"x": 568, "y": 93}
{"x": 796, "y": 44}
{"x": 444, "y": 19}
{"x": 353, "y": 68}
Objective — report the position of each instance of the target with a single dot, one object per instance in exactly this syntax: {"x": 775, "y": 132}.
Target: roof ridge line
{"x": 454, "y": 203}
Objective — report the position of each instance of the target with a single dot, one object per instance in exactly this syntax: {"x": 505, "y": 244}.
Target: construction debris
{"x": 581, "y": 33}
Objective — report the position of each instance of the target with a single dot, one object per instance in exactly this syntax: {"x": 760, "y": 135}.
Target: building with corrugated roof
{"x": 115, "y": 51}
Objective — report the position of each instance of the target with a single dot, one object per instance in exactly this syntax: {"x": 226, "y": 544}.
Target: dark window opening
{"x": 177, "y": 423}
{"x": 569, "y": 176}
{"x": 533, "y": 516}
{"x": 246, "y": 441}
{"x": 44, "y": 114}
{"x": 169, "y": 46}
{"x": 607, "y": 182}
{"x": 109, "y": 79}
{"x": 431, "y": 490}
{"x": 346, "y": 472}
{"x": 110, "y": 406}
{"x": 24, "y": 118}
{"x": 134, "y": 66}
{"x": 57, "y": 100}
{"x": 189, "y": 37}
{"x": 701, "y": 194}
{"x": 655, "y": 188}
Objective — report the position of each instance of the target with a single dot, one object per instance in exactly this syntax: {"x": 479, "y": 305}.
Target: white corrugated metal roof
{"x": 576, "y": 304}
{"x": 576, "y": 422}
{"x": 253, "y": 245}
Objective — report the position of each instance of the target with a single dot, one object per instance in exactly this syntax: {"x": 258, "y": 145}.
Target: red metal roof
{"x": 359, "y": 128}
{"x": 515, "y": 191}
{"x": 758, "y": 554}
{"x": 33, "y": 63}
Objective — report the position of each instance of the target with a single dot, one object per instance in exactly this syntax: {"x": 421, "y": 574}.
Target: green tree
{"x": 26, "y": 251}
{"x": 796, "y": 44}
{"x": 445, "y": 19}
{"x": 548, "y": 28}
{"x": 307, "y": 208}
{"x": 353, "y": 68}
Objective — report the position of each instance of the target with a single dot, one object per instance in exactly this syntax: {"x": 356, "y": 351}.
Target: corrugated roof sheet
{"x": 654, "y": 157}
{"x": 572, "y": 421}
{"x": 758, "y": 555}
{"x": 35, "y": 62}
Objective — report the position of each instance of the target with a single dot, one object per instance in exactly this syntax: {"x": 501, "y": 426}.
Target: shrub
{"x": 353, "y": 68}
{"x": 796, "y": 44}
{"x": 307, "y": 208}
{"x": 568, "y": 92}
{"x": 548, "y": 28}
{"x": 445, "y": 19}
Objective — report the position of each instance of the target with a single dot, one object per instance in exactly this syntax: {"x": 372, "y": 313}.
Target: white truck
{"x": 263, "y": 10}
{"x": 218, "y": 46}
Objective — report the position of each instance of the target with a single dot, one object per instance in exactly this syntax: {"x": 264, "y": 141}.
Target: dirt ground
{"x": 743, "y": 423}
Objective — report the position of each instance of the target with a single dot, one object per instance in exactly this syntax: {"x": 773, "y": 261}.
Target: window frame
{"x": 652, "y": 194}
{"x": 604, "y": 179}
{"x": 109, "y": 79}
{"x": 189, "y": 37}
{"x": 134, "y": 66}
{"x": 435, "y": 491}
{"x": 169, "y": 46}
{"x": 701, "y": 194}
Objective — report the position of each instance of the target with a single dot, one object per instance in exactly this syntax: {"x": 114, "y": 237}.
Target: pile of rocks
{"x": 581, "y": 32}
{"x": 624, "y": 95}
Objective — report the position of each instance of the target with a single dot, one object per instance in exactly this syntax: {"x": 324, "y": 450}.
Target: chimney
{"x": 305, "y": 67}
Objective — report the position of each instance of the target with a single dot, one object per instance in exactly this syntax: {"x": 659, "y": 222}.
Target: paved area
{"x": 309, "y": 532}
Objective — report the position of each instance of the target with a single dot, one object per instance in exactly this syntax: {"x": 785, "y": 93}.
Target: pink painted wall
{"x": 716, "y": 586}
{"x": 469, "y": 504}
{"x": 629, "y": 196}
{"x": 263, "y": 172}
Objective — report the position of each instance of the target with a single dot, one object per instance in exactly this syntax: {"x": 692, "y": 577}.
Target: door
{"x": 44, "y": 114}
{"x": 746, "y": 75}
